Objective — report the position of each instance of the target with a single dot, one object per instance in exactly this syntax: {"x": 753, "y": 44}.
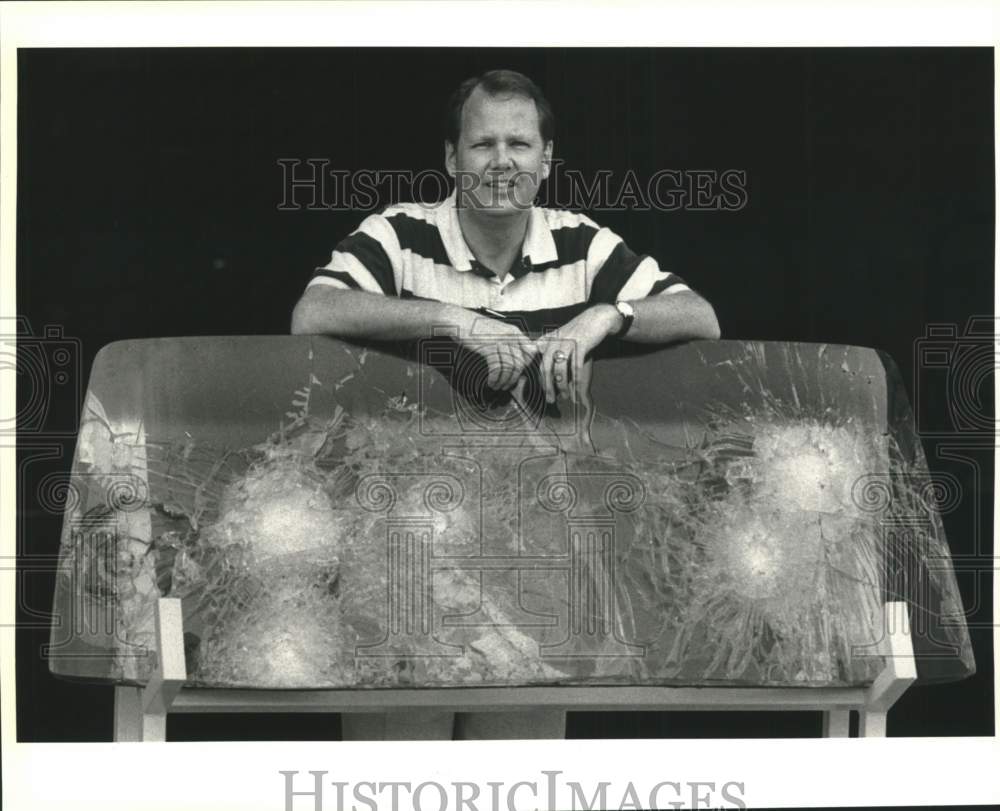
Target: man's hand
{"x": 506, "y": 350}
{"x": 564, "y": 352}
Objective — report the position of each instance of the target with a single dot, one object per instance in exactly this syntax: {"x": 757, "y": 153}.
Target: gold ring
{"x": 558, "y": 378}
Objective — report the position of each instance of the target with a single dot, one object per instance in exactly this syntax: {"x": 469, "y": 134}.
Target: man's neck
{"x": 495, "y": 240}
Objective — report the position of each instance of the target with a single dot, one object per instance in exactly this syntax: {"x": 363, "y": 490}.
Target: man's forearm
{"x": 357, "y": 314}
{"x": 683, "y": 316}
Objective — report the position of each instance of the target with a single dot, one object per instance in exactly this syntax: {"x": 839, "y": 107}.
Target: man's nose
{"x": 501, "y": 157}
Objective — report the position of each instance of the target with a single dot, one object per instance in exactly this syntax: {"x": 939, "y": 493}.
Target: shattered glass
{"x": 332, "y": 516}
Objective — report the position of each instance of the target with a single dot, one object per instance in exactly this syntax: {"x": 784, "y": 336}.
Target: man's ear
{"x": 449, "y": 158}
{"x": 546, "y": 160}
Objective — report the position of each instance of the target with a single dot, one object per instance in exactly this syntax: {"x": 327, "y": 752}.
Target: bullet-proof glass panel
{"x": 334, "y": 516}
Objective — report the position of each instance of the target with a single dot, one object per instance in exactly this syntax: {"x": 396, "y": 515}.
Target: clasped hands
{"x": 562, "y": 354}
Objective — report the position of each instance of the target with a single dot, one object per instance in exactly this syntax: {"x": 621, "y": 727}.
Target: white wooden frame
{"x": 141, "y": 713}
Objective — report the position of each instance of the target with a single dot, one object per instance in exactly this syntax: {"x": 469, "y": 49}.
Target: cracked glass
{"x": 333, "y": 516}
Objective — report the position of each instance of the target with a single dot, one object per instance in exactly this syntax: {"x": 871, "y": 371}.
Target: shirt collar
{"x": 539, "y": 247}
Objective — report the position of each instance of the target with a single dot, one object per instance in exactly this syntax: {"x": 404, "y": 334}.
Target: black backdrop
{"x": 148, "y": 195}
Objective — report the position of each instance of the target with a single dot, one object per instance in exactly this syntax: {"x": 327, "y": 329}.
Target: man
{"x": 515, "y": 283}
{"x": 486, "y": 261}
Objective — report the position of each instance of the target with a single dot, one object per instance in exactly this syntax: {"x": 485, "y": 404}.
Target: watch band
{"x": 627, "y": 312}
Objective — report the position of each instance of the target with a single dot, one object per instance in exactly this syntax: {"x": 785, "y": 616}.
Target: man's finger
{"x": 583, "y": 386}
{"x": 516, "y": 365}
{"x": 528, "y": 353}
{"x": 508, "y": 366}
{"x": 576, "y": 394}
{"x": 545, "y": 371}
{"x": 518, "y": 392}
{"x": 501, "y": 367}
{"x": 566, "y": 383}
{"x": 493, "y": 368}
{"x": 520, "y": 364}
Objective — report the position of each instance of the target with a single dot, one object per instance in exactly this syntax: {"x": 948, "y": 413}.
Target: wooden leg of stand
{"x": 128, "y": 714}
{"x": 899, "y": 673}
{"x": 836, "y": 723}
{"x": 154, "y": 727}
{"x": 871, "y": 724}
{"x": 170, "y": 674}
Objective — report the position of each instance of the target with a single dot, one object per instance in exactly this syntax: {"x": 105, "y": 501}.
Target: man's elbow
{"x": 303, "y": 317}
{"x": 713, "y": 331}
{"x": 700, "y": 322}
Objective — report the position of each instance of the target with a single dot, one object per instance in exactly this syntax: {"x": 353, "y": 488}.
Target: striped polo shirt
{"x": 568, "y": 263}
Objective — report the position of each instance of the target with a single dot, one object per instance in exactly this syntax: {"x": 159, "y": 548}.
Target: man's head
{"x": 499, "y": 141}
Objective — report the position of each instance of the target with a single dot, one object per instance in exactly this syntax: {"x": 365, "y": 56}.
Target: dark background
{"x": 148, "y": 194}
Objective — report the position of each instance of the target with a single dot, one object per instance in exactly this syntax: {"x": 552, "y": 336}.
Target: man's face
{"x": 499, "y": 159}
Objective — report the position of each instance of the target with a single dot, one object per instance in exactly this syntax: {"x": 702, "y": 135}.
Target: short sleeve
{"x": 615, "y": 272}
{"x": 369, "y": 259}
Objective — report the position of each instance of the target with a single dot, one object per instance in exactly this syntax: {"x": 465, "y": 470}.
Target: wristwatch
{"x": 627, "y": 312}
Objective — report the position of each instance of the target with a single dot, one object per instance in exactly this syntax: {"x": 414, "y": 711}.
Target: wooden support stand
{"x": 140, "y": 713}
